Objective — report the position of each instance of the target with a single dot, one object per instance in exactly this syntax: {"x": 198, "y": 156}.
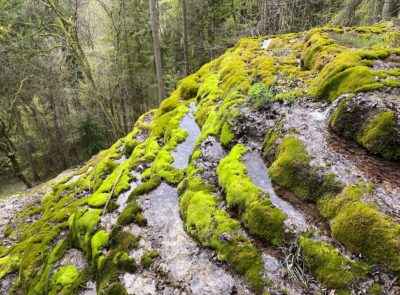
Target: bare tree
{"x": 69, "y": 30}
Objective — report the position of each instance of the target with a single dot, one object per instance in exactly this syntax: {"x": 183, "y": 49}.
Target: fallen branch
{"x": 112, "y": 191}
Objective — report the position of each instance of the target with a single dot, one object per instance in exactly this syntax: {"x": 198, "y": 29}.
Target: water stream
{"x": 185, "y": 149}
{"x": 257, "y": 170}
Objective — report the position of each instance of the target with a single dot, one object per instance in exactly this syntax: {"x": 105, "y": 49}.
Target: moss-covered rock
{"x": 370, "y": 120}
{"x": 362, "y": 228}
{"x": 253, "y": 205}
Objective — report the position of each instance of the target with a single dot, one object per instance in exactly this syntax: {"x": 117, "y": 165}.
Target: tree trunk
{"x": 17, "y": 169}
{"x": 156, "y": 48}
{"x": 185, "y": 38}
{"x": 386, "y": 10}
{"x": 8, "y": 149}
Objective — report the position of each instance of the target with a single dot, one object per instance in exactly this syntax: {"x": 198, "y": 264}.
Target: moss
{"x": 375, "y": 289}
{"x": 214, "y": 228}
{"x": 99, "y": 240}
{"x": 362, "y": 228}
{"x": 145, "y": 188}
{"x": 125, "y": 263}
{"x": 351, "y": 80}
{"x": 65, "y": 276}
{"x": 132, "y": 213}
{"x": 116, "y": 289}
{"x": 123, "y": 240}
{"x": 226, "y": 135}
{"x": 234, "y": 77}
{"x": 258, "y": 214}
{"x": 147, "y": 258}
{"x": 332, "y": 270}
{"x": 188, "y": 87}
{"x": 382, "y": 136}
{"x": 291, "y": 168}
{"x": 129, "y": 146}
{"x": 82, "y": 224}
{"x": 9, "y": 264}
{"x": 378, "y": 133}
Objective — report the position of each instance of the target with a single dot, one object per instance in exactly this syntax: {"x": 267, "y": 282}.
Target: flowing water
{"x": 258, "y": 172}
{"x": 184, "y": 150}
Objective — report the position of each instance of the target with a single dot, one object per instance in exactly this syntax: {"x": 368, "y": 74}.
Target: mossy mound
{"x": 333, "y": 270}
{"x": 371, "y": 120}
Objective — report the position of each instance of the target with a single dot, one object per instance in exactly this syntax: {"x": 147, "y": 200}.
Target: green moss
{"x": 116, "y": 289}
{"x": 375, "y": 289}
{"x": 129, "y": 146}
{"x": 258, "y": 214}
{"x": 234, "y": 76}
{"x": 147, "y": 258}
{"x": 226, "y": 135}
{"x": 351, "y": 80}
{"x": 99, "y": 240}
{"x": 145, "y": 188}
{"x": 362, "y": 228}
{"x": 188, "y": 87}
{"x": 65, "y": 276}
{"x": 214, "y": 228}
{"x": 81, "y": 225}
{"x": 382, "y": 136}
{"x": 9, "y": 264}
{"x": 332, "y": 270}
{"x": 291, "y": 168}
{"x": 132, "y": 213}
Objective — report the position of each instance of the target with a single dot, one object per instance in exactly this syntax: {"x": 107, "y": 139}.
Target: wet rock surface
{"x": 348, "y": 161}
{"x": 256, "y": 169}
{"x": 185, "y": 149}
{"x": 211, "y": 153}
{"x": 183, "y": 266}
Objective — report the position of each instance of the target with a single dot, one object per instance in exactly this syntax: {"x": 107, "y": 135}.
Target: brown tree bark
{"x": 156, "y": 49}
{"x": 185, "y": 38}
{"x": 8, "y": 149}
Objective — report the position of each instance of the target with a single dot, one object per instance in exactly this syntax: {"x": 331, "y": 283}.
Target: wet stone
{"x": 182, "y": 262}
{"x": 257, "y": 170}
{"x": 185, "y": 149}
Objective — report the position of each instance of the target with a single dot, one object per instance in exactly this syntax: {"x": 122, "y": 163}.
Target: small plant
{"x": 260, "y": 95}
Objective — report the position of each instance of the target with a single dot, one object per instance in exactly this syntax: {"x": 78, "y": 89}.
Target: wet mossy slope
{"x": 355, "y": 69}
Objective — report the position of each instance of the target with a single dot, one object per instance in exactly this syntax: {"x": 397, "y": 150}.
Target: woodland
{"x": 76, "y": 74}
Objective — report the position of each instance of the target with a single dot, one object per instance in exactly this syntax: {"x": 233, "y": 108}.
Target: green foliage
{"x": 260, "y": 95}
{"x": 90, "y": 137}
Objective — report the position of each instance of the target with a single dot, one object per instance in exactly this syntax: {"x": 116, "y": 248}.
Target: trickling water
{"x": 76, "y": 177}
{"x": 123, "y": 197}
{"x": 185, "y": 149}
{"x": 258, "y": 173}
{"x": 266, "y": 43}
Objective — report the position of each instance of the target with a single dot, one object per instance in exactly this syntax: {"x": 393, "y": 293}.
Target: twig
{"x": 112, "y": 191}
